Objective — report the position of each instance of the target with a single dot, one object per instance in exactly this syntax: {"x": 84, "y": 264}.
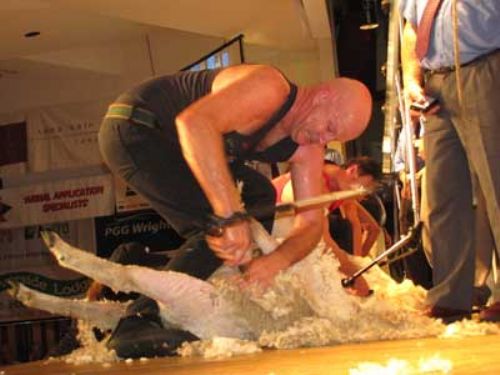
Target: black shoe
{"x": 480, "y": 296}
{"x": 491, "y": 313}
{"x": 447, "y": 315}
{"x": 144, "y": 336}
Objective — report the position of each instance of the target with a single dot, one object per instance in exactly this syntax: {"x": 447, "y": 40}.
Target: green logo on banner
{"x": 62, "y": 288}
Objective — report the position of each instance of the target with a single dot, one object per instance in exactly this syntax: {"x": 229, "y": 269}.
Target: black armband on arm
{"x": 216, "y": 224}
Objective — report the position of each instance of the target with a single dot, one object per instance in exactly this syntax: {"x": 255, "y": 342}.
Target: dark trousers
{"x": 153, "y": 165}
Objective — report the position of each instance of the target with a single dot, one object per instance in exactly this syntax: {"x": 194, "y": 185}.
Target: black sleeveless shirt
{"x": 167, "y": 96}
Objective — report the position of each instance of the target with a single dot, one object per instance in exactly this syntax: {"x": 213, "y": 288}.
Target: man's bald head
{"x": 350, "y": 106}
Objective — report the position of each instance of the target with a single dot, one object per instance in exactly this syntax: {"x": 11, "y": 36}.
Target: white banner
{"x": 64, "y": 136}
{"x": 57, "y": 201}
{"x": 58, "y": 137}
{"x": 25, "y": 258}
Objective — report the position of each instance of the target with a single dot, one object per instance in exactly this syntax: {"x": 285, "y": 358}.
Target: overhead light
{"x": 370, "y": 19}
{"x": 31, "y": 34}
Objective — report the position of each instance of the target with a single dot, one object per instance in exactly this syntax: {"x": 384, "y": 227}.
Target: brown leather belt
{"x": 449, "y": 69}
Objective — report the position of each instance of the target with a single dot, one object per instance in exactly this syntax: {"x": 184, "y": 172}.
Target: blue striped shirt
{"x": 478, "y": 30}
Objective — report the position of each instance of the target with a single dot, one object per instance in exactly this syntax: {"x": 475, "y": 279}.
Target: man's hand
{"x": 234, "y": 243}
{"x": 412, "y": 71}
{"x": 360, "y": 287}
{"x": 414, "y": 94}
{"x": 262, "y": 271}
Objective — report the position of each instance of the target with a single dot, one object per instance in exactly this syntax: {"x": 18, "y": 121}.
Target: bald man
{"x": 181, "y": 141}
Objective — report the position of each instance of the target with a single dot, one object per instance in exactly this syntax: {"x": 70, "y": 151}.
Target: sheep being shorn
{"x": 306, "y": 305}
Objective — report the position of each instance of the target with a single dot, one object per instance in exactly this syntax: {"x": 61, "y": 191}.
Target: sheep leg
{"x": 104, "y": 315}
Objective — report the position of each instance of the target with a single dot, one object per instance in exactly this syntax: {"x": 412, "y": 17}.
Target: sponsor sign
{"x": 145, "y": 227}
{"x": 64, "y": 136}
{"x": 56, "y": 201}
{"x": 24, "y": 258}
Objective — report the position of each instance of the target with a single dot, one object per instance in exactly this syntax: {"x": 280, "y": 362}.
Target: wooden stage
{"x": 471, "y": 355}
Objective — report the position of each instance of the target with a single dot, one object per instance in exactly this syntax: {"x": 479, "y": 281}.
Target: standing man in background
{"x": 450, "y": 51}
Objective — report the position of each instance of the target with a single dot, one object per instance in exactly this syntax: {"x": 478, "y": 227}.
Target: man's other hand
{"x": 234, "y": 243}
{"x": 261, "y": 271}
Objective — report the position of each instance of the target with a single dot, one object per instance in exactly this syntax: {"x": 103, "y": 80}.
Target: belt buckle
{"x": 442, "y": 70}
{"x": 446, "y": 69}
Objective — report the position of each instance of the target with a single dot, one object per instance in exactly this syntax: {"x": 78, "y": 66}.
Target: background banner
{"x": 25, "y": 258}
{"x": 64, "y": 136}
{"x": 51, "y": 138}
{"x": 145, "y": 227}
{"x": 63, "y": 200}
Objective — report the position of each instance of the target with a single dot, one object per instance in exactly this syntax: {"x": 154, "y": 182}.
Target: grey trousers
{"x": 456, "y": 142}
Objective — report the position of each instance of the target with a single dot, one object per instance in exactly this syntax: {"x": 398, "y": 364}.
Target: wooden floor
{"x": 472, "y": 355}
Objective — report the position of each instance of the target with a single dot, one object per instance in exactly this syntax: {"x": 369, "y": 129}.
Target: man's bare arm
{"x": 347, "y": 267}
{"x": 412, "y": 71}
{"x": 350, "y": 213}
{"x": 243, "y": 100}
{"x": 306, "y": 167}
{"x": 371, "y": 229}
